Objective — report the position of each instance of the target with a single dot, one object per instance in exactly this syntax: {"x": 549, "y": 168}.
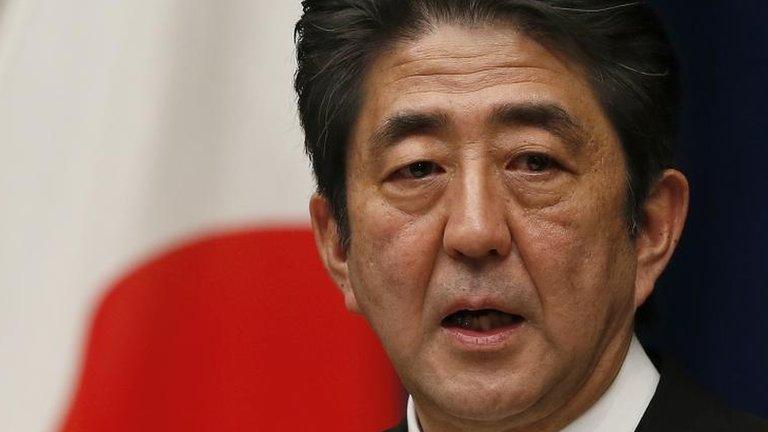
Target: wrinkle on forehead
{"x": 416, "y": 55}
{"x": 456, "y": 83}
{"x": 472, "y": 71}
{"x": 445, "y": 47}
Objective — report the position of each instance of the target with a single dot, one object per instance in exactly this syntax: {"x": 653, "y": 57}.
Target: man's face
{"x": 489, "y": 245}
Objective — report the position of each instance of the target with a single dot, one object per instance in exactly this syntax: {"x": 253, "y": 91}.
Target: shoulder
{"x": 680, "y": 405}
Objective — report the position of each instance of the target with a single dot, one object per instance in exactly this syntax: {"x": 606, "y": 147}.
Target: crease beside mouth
{"x": 482, "y": 320}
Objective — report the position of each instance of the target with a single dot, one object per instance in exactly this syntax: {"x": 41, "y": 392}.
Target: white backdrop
{"x": 127, "y": 125}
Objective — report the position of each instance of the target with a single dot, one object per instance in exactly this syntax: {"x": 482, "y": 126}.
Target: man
{"x": 496, "y": 195}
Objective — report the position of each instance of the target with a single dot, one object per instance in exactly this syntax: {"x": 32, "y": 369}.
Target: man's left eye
{"x": 538, "y": 163}
{"x": 533, "y": 163}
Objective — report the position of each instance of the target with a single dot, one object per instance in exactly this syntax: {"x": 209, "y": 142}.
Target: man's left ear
{"x": 665, "y": 210}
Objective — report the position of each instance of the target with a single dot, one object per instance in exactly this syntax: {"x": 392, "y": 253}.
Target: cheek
{"x": 390, "y": 262}
{"x": 578, "y": 257}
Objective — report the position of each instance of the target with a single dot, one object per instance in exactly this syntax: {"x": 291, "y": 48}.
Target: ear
{"x": 330, "y": 248}
{"x": 665, "y": 211}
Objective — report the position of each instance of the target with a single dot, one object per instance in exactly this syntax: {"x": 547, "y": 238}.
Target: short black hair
{"x": 622, "y": 45}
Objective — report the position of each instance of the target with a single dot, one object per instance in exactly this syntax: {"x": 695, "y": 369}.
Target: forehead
{"x": 464, "y": 74}
{"x": 460, "y": 59}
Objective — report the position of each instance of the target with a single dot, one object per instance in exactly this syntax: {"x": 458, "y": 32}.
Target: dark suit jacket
{"x": 680, "y": 406}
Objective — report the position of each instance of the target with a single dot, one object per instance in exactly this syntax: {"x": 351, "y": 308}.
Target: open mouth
{"x": 482, "y": 321}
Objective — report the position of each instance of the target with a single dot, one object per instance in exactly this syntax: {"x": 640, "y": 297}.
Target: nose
{"x": 477, "y": 224}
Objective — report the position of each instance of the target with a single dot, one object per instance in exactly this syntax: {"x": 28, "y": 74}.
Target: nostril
{"x": 478, "y": 254}
{"x": 483, "y": 238}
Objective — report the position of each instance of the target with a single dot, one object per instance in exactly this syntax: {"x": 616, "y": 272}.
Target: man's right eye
{"x": 417, "y": 170}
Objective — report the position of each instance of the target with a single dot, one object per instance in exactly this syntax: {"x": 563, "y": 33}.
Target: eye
{"x": 533, "y": 163}
{"x": 538, "y": 162}
{"x": 417, "y": 170}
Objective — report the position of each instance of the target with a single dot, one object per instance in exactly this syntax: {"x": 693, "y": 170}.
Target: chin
{"x": 484, "y": 399}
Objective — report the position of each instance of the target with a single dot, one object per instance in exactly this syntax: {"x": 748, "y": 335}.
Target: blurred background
{"x": 708, "y": 309}
{"x": 151, "y": 155}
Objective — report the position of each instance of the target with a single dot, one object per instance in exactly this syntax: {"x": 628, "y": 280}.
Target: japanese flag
{"x": 157, "y": 270}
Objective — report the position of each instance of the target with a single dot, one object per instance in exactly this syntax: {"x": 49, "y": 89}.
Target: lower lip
{"x": 482, "y": 341}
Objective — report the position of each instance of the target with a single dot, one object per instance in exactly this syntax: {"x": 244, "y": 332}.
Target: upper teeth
{"x": 484, "y": 320}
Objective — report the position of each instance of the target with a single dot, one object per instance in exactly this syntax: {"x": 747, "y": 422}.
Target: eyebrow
{"x": 544, "y": 115}
{"x": 405, "y": 124}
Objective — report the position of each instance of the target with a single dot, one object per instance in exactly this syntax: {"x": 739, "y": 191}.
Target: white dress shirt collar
{"x": 619, "y": 409}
